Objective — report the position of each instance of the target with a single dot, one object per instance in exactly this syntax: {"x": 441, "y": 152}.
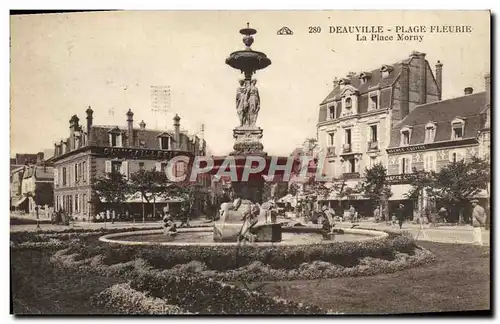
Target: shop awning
{"x": 400, "y": 191}
{"x": 20, "y": 201}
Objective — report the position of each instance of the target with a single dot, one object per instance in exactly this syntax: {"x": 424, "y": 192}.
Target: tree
{"x": 375, "y": 186}
{"x": 420, "y": 180}
{"x": 458, "y": 182}
{"x": 150, "y": 183}
{"x": 113, "y": 188}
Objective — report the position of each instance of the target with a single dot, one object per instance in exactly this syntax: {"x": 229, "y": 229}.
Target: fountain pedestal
{"x": 247, "y": 140}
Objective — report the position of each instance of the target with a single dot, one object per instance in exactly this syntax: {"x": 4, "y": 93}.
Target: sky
{"x": 63, "y": 63}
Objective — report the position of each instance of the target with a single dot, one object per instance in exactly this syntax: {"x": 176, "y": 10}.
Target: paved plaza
{"x": 444, "y": 234}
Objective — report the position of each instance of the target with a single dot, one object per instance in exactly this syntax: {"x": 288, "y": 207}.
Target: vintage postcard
{"x": 250, "y": 162}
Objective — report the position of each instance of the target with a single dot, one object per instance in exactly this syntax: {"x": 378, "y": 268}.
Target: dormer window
{"x": 364, "y": 77}
{"x": 165, "y": 141}
{"x": 405, "y": 136}
{"x": 386, "y": 70}
{"x": 347, "y": 107}
{"x": 457, "y": 128}
{"x": 331, "y": 112}
{"x": 373, "y": 101}
{"x": 115, "y": 137}
{"x": 430, "y": 132}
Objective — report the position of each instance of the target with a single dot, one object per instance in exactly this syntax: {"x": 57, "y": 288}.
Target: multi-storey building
{"x": 93, "y": 151}
{"x": 38, "y": 187}
{"x": 356, "y": 118}
{"x": 435, "y": 134}
{"x": 27, "y": 173}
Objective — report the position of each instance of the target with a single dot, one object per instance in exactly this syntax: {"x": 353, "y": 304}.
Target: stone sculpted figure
{"x": 242, "y": 102}
{"x": 253, "y": 102}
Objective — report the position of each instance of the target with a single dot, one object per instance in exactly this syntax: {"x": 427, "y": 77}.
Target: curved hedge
{"x": 222, "y": 258}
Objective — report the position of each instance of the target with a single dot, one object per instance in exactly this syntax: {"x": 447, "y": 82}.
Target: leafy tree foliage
{"x": 454, "y": 184}
{"x": 112, "y": 188}
{"x": 375, "y": 186}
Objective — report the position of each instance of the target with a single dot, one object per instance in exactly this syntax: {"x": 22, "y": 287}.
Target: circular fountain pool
{"x": 204, "y": 237}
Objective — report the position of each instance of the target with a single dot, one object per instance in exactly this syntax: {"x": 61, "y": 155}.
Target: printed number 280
{"x": 314, "y": 29}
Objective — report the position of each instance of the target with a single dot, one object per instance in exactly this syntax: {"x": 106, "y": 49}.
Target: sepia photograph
{"x": 250, "y": 162}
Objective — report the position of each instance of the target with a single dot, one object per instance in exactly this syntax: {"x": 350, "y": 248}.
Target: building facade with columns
{"x": 92, "y": 151}
{"x": 356, "y": 118}
{"x": 436, "y": 134}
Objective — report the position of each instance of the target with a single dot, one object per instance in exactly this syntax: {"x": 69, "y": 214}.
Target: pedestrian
{"x": 478, "y": 221}
{"x": 443, "y": 214}
{"x": 352, "y": 213}
{"x": 400, "y": 215}
{"x": 376, "y": 214}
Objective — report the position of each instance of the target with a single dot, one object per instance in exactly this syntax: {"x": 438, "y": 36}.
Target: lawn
{"x": 459, "y": 280}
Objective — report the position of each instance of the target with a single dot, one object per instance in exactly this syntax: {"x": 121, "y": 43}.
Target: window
{"x": 348, "y": 136}
{"x": 116, "y": 166}
{"x": 84, "y": 203}
{"x": 456, "y": 156}
{"x": 351, "y": 165}
{"x": 332, "y": 112}
{"x": 84, "y": 171}
{"x": 76, "y": 172}
{"x": 457, "y": 133}
{"x": 164, "y": 143}
{"x": 114, "y": 141}
{"x": 457, "y": 126}
{"x": 373, "y": 133}
{"x": 64, "y": 176}
{"x": 142, "y": 143}
{"x": 430, "y": 132}
{"x": 348, "y": 107}
{"x": 405, "y": 135}
{"x": 331, "y": 139}
{"x": 373, "y": 104}
{"x": 76, "y": 202}
{"x": 405, "y": 165}
{"x": 430, "y": 162}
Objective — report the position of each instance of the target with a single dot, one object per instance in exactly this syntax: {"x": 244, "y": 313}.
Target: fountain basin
{"x": 204, "y": 237}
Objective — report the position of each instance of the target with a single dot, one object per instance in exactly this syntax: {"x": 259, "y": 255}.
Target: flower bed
{"x": 194, "y": 292}
{"x": 223, "y": 257}
{"x": 122, "y": 299}
{"x": 254, "y": 271}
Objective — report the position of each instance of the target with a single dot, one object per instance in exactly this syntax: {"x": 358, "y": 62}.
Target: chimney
{"x": 439, "y": 79}
{"x": 130, "y": 128}
{"x": 404, "y": 80}
{"x": 468, "y": 91}
{"x": 177, "y": 132}
{"x": 142, "y": 125}
{"x": 422, "y": 76}
{"x": 335, "y": 82}
{"x": 73, "y": 127}
{"x": 89, "y": 125}
{"x": 56, "y": 151}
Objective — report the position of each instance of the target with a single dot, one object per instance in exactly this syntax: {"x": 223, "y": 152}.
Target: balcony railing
{"x": 351, "y": 175}
{"x": 372, "y": 145}
{"x": 330, "y": 151}
{"x": 346, "y": 148}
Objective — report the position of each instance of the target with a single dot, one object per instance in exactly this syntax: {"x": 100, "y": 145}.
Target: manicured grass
{"x": 40, "y": 288}
{"x": 459, "y": 280}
